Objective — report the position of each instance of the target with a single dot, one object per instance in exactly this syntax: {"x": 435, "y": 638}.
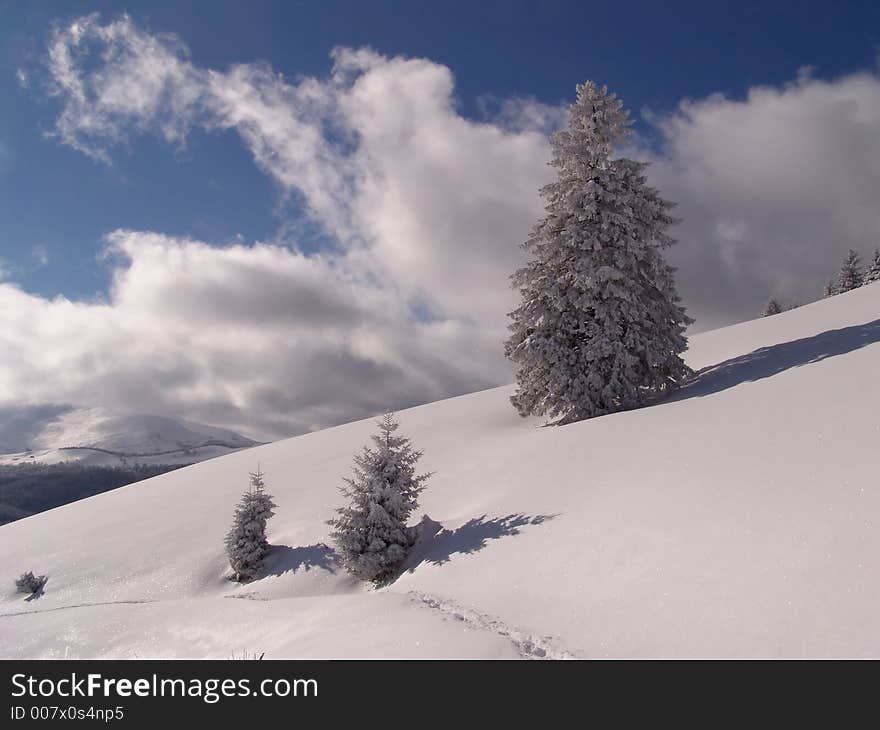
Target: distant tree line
{"x": 26, "y": 489}
{"x": 775, "y": 307}
{"x": 851, "y": 275}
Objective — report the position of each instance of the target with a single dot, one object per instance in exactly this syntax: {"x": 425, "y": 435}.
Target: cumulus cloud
{"x": 423, "y": 209}
{"x": 377, "y": 151}
{"x": 773, "y": 189}
{"x": 261, "y": 338}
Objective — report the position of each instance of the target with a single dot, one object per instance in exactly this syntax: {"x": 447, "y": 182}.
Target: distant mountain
{"x": 99, "y": 437}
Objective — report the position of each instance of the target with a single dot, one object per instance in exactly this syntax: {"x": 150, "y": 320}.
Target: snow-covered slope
{"x": 741, "y": 517}
{"x": 98, "y": 436}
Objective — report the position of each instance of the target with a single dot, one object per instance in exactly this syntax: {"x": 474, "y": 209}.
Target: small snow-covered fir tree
{"x": 873, "y": 272}
{"x": 850, "y": 275}
{"x": 599, "y": 327}
{"x": 831, "y": 287}
{"x": 371, "y": 532}
{"x": 773, "y": 307}
{"x": 246, "y": 542}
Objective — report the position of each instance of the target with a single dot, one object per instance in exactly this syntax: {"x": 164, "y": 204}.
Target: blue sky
{"x": 56, "y": 201}
{"x": 296, "y": 240}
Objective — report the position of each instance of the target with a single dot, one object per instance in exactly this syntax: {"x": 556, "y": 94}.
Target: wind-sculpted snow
{"x": 737, "y": 518}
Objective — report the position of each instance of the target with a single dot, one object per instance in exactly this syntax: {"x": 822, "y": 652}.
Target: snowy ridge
{"x": 97, "y": 436}
{"x": 738, "y": 518}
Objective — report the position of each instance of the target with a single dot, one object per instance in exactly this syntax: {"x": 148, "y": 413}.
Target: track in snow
{"x": 77, "y": 605}
{"x": 528, "y": 646}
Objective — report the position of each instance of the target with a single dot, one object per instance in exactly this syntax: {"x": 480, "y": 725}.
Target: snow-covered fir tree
{"x": 246, "y": 542}
{"x": 850, "y": 275}
{"x": 773, "y": 307}
{"x": 831, "y": 287}
{"x": 873, "y": 271}
{"x": 371, "y": 532}
{"x": 599, "y": 327}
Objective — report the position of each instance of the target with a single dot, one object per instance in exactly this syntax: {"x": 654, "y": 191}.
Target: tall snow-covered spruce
{"x": 246, "y": 542}
{"x": 599, "y": 328}
{"x": 371, "y": 532}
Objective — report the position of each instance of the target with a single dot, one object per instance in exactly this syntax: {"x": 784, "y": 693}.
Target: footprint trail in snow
{"x": 528, "y": 646}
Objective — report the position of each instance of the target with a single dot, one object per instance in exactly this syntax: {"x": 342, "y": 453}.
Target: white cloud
{"x": 773, "y": 190}
{"x": 407, "y": 308}
{"x": 141, "y": 81}
{"x": 426, "y": 208}
{"x": 261, "y": 338}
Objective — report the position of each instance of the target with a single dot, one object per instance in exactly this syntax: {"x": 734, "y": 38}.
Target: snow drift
{"x": 738, "y": 518}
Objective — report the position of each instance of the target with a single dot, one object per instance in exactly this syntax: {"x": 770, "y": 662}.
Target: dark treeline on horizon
{"x": 26, "y": 489}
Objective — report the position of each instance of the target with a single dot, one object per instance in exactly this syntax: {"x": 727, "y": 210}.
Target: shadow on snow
{"x": 437, "y": 544}
{"x": 769, "y": 361}
{"x": 284, "y": 559}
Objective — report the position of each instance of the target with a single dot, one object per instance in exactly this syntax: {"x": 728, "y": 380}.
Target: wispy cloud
{"x": 40, "y": 255}
{"x": 140, "y": 81}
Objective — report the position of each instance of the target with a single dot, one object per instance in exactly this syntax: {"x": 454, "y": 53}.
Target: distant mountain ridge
{"x": 98, "y": 436}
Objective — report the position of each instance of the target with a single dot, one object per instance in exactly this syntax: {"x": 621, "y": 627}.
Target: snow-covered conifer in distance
{"x": 773, "y": 307}
{"x": 371, "y": 532}
{"x": 850, "y": 275}
{"x": 873, "y": 272}
{"x": 599, "y": 327}
{"x": 246, "y": 542}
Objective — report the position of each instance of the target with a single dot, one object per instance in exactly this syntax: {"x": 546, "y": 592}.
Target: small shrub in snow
{"x": 246, "y": 543}
{"x": 30, "y": 583}
{"x": 371, "y": 533}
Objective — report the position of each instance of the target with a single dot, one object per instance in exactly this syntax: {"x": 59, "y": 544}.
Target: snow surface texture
{"x": 96, "y": 436}
{"x": 739, "y": 518}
